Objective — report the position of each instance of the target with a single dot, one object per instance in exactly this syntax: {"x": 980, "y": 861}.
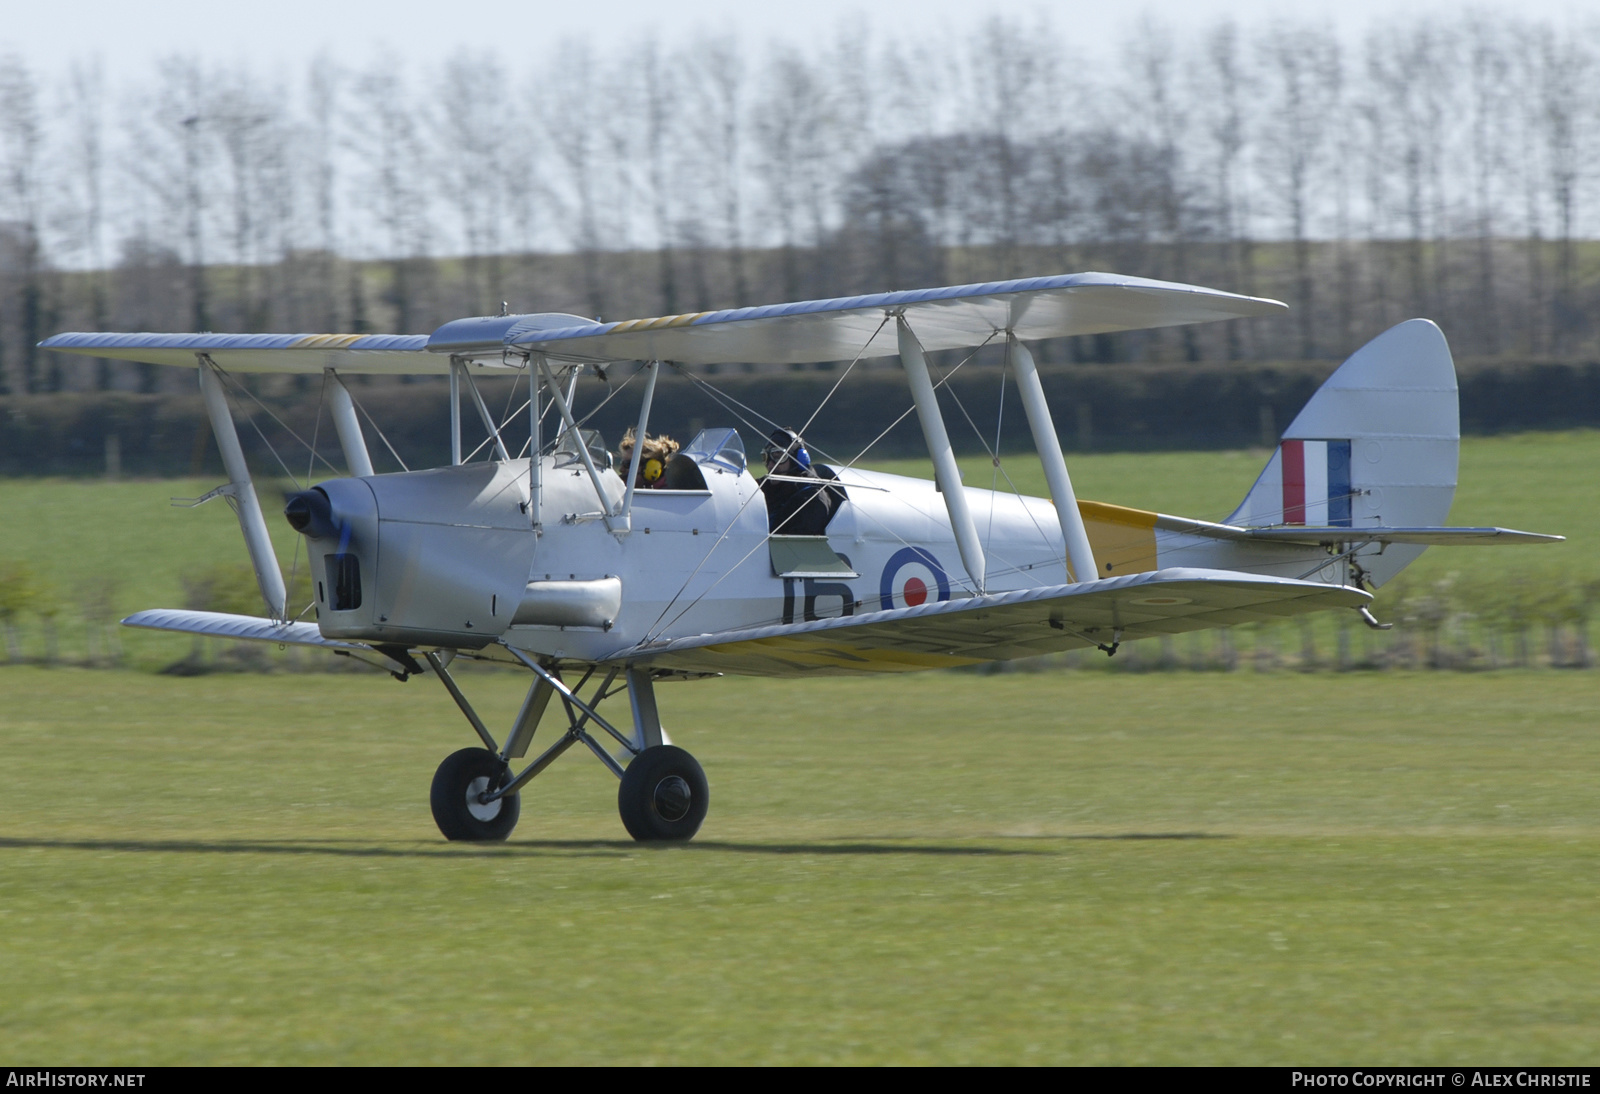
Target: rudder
{"x": 1377, "y": 445}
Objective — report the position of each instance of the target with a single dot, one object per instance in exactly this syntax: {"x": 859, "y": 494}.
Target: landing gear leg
{"x": 663, "y": 793}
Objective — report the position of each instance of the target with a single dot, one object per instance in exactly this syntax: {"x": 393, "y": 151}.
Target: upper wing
{"x": 390, "y": 354}
{"x": 953, "y": 317}
{"x": 945, "y": 318}
{"x": 1001, "y": 626}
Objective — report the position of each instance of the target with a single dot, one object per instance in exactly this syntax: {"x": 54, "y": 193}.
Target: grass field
{"x": 940, "y": 868}
{"x": 1048, "y": 867}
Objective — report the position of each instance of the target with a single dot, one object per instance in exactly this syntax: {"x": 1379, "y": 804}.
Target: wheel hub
{"x": 482, "y": 810}
{"x": 672, "y": 798}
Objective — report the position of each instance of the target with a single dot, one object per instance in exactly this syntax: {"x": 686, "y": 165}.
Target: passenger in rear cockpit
{"x": 658, "y": 450}
{"x": 799, "y": 501}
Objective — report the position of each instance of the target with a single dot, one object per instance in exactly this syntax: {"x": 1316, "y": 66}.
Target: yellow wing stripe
{"x": 798, "y": 651}
{"x": 325, "y": 341}
{"x": 658, "y": 322}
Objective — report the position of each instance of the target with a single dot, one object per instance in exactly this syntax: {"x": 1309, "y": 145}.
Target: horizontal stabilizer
{"x": 1001, "y": 626}
{"x": 1331, "y": 534}
{"x": 1427, "y": 537}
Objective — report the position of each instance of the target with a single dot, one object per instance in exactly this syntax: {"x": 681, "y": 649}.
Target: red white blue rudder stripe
{"x": 1316, "y": 482}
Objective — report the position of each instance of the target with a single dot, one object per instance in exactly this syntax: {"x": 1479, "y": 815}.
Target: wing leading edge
{"x": 1003, "y": 626}
{"x": 247, "y": 628}
{"x": 378, "y": 354}
{"x": 952, "y": 317}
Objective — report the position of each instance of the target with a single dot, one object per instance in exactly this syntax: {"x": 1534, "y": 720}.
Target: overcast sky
{"x": 128, "y": 36}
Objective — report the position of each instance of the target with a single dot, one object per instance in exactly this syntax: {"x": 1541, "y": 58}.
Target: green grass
{"x": 1060, "y": 868}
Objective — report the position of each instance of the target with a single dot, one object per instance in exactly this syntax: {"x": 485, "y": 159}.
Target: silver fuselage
{"x": 449, "y": 558}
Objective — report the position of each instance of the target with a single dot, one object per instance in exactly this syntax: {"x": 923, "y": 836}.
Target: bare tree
{"x": 247, "y": 122}
{"x": 717, "y": 81}
{"x": 791, "y": 122}
{"x": 1528, "y": 78}
{"x": 324, "y": 85}
{"x": 1488, "y": 83}
{"x": 1008, "y": 64}
{"x": 660, "y": 97}
{"x": 1301, "y": 75}
{"x": 1565, "y": 65}
{"x": 467, "y": 133}
{"x": 1162, "y": 115}
{"x": 383, "y": 130}
{"x": 1223, "y": 93}
{"x": 84, "y": 154}
{"x": 22, "y": 192}
{"x": 571, "y": 120}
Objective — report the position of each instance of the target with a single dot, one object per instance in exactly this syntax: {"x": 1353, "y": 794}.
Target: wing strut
{"x": 944, "y": 459}
{"x": 565, "y": 411}
{"x": 459, "y": 366}
{"x": 455, "y": 415}
{"x": 254, "y": 526}
{"x": 348, "y": 426}
{"x": 1080, "y": 557}
{"x": 535, "y": 451}
{"x": 654, "y": 369}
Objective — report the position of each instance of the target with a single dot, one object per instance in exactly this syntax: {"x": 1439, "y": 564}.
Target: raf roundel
{"x": 912, "y": 577}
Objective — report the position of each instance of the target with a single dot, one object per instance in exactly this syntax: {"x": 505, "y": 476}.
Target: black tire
{"x": 456, "y": 810}
{"x": 664, "y": 795}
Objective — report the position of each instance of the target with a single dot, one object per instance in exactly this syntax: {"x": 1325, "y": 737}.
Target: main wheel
{"x": 664, "y": 795}
{"x": 457, "y": 784}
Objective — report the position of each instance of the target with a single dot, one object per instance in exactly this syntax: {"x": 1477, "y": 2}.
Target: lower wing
{"x": 1002, "y": 626}
{"x": 250, "y": 628}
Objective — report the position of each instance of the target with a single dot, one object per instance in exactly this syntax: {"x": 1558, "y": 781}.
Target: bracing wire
{"x": 746, "y": 504}
{"x": 994, "y": 477}
{"x": 723, "y": 399}
{"x": 237, "y": 386}
{"x": 842, "y": 376}
{"x": 994, "y": 457}
{"x": 943, "y": 381}
{"x": 715, "y": 394}
{"x": 381, "y": 435}
{"x": 581, "y": 421}
{"x": 286, "y": 472}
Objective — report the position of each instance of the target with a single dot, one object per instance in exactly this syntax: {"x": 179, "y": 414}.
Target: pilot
{"x": 796, "y": 507}
{"x": 653, "y": 464}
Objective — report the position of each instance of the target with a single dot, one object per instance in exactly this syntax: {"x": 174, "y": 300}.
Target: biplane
{"x": 604, "y": 578}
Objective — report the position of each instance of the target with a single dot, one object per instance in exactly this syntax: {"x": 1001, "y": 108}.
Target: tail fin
{"x": 1377, "y": 445}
